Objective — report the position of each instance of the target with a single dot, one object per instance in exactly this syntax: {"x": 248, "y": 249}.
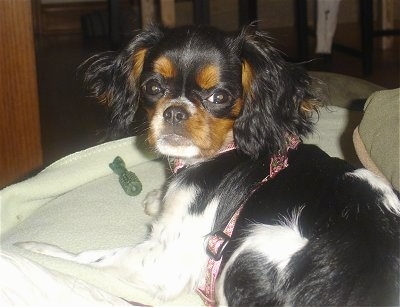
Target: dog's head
{"x": 203, "y": 89}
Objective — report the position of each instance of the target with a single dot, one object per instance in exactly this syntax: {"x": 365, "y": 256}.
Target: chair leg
{"x": 366, "y": 23}
{"x": 201, "y": 9}
{"x": 302, "y": 28}
{"x": 247, "y": 12}
{"x": 327, "y": 12}
{"x": 113, "y": 17}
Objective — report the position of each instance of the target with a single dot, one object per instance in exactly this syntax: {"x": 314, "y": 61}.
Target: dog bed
{"x": 78, "y": 203}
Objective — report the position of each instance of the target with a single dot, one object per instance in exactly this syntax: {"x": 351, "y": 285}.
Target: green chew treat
{"x": 128, "y": 180}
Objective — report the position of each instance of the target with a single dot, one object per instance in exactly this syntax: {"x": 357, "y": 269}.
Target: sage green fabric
{"x": 344, "y": 91}
{"x": 379, "y": 131}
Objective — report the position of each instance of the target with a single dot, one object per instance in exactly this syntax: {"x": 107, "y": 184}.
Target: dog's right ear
{"x": 113, "y": 77}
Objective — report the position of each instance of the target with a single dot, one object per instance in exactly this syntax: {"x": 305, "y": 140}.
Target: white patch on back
{"x": 277, "y": 243}
{"x": 389, "y": 199}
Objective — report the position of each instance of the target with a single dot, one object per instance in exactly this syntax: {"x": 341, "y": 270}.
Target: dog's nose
{"x": 175, "y": 115}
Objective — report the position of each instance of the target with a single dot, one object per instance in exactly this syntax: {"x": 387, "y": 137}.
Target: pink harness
{"x": 219, "y": 240}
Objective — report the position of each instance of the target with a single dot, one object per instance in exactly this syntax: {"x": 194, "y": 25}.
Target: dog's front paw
{"x": 152, "y": 202}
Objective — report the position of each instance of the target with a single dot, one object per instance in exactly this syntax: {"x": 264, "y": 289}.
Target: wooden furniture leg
{"x": 386, "y": 21}
{"x": 20, "y": 143}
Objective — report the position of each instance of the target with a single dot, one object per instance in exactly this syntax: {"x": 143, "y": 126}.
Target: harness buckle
{"x": 216, "y": 244}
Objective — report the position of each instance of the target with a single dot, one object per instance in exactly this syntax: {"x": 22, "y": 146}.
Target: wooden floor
{"x": 70, "y": 121}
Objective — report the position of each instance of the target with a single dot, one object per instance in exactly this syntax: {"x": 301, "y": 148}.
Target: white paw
{"x": 152, "y": 202}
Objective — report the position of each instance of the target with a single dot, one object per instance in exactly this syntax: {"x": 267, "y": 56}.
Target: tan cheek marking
{"x": 208, "y": 77}
{"x": 219, "y": 130}
{"x": 207, "y": 132}
{"x": 165, "y": 67}
{"x": 197, "y": 128}
{"x": 247, "y": 77}
{"x": 138, "y": 60}
{"x": 237, "y": 107}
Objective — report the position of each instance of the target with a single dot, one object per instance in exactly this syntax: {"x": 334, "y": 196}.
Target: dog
{"x": 252, "y": 216}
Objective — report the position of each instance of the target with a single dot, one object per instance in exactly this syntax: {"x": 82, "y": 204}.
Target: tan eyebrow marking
{"x": 165, "y": 67}
{"x": 208, "y": 76}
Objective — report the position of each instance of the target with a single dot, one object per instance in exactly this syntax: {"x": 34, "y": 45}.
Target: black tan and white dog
{"x": 253, "y": 216}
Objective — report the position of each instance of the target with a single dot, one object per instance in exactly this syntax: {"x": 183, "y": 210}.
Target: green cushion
{"x": 379, "y": 132}
{"x": 345, "y": 91}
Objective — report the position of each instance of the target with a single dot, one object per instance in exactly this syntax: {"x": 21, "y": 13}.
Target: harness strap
{"x": 216, "y": 245}
{"x": 219, "y": 240}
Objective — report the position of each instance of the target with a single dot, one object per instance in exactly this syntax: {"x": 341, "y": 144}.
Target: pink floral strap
{"x": 219, "y": 240}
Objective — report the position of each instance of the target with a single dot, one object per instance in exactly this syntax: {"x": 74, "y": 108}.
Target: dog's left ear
{"x": 277, "y": 97}
{"x": 113, "y": 78}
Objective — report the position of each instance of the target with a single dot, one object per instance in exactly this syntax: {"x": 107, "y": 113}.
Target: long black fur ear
{"x": 113, "y": 78}
{"x": 277, "y": 97}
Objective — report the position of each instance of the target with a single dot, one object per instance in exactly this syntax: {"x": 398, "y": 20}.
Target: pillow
{"x": 376, "y": 139}
{"x": 345, "y": 91}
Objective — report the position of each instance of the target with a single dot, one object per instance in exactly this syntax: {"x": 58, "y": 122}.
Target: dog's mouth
{"x": 177, "y": 146}
{"x": 175, "y": 140}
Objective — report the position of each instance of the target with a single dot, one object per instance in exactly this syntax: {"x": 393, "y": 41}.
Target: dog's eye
{"x": 219, "y": 97}
{"x": 153, "y": 87}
